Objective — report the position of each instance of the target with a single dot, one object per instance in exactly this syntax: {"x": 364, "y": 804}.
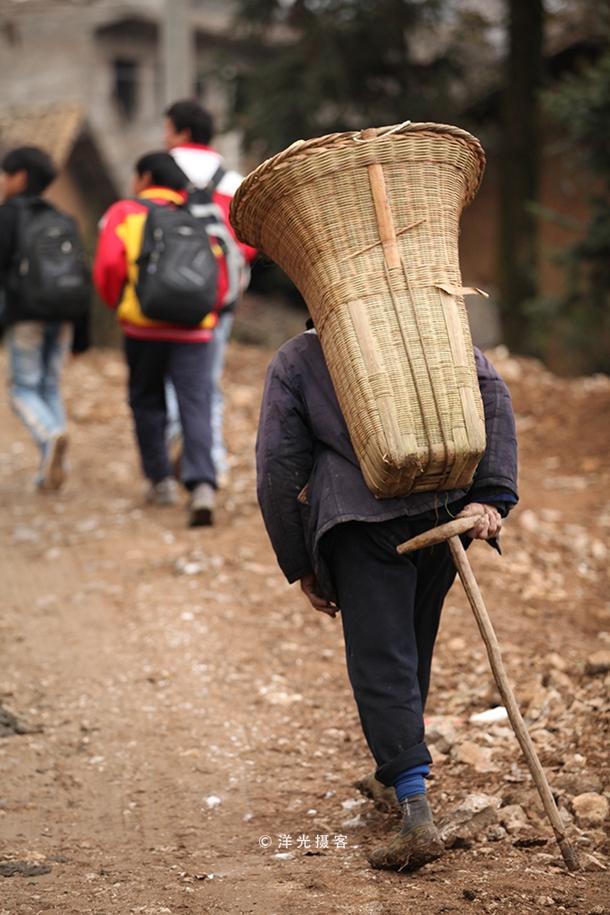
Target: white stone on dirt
{"x": 438, "y": 758}
{"x": 490, "y": 715}
{"x": 352, "y": 802}
{"x": 513, "y": 818}
{"x": 598, "y": 662}
{"x": 590, "y": 809}
{"x": 475, "y": 814}
{"x": 279, "y": 696}
{"x": 212, "y": 801}
{"x": 591, "y": 862}
{"x": 441, "y": 733}
{"x": 579, "y": 783}
{"x": 556, "y": 661}
{"x": 495, "y": 833}
{"x": 353, "y": 822}
{"x": 186, "y": 567}
{"x": 480, "y": 758}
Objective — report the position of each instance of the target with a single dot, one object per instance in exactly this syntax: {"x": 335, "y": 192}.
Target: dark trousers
{"x": 188, "y": 367}
{"x": 390, "y": 609}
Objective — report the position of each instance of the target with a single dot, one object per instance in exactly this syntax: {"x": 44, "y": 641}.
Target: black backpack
{"x": 178, "y": 271}
{"x": 50, "y": 274}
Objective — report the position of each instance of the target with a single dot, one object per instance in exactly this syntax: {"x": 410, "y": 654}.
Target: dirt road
{"x": 181, "y": 703}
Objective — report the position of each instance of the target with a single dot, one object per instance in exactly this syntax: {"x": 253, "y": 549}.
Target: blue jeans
{"x": 217, "y": 347}
{"x": 37, "y": 351}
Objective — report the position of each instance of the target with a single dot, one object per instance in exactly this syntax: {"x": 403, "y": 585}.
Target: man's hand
{"x": 309, "y": 587}
{"x": 490, "y": 524}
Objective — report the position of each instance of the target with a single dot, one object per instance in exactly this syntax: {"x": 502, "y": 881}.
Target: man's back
{"x": 303, "y": 442}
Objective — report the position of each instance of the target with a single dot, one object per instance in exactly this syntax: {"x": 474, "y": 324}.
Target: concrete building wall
{"x": 64, "y": 52}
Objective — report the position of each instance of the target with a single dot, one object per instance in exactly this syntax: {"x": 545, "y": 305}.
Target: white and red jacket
{"x": 115, "y": 270}
{"x": 200, "y": 163}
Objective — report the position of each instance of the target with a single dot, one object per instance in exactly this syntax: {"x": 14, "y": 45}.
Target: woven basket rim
{"x": 302, "y": 149}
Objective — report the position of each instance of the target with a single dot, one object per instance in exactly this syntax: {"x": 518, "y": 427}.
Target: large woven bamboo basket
{"x": 366, "y": 225}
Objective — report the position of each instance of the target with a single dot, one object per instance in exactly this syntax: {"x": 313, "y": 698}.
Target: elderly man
{"x": 331, "y": 534}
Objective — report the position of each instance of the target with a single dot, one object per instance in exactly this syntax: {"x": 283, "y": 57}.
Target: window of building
{"x": 199, "y": 86}
{"x": 125, "y": 91}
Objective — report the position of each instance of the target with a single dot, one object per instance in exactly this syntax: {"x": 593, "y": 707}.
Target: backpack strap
{"x": 204, "y": 195}
{"x": 150, "y": 207}
{"x": 216, "y": 178}
{"x": 211, "y": 216}
{"x": 149, "y": 204}
{"x": 153, "y": 205}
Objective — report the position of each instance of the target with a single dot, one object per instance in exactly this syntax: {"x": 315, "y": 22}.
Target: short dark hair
{"x": 189, "y": 114}
{"x": 35, "y": 162}
{"x": 163, "y": 170}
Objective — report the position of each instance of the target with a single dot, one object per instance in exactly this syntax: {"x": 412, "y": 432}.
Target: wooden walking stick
{"x": 451, "y": 532}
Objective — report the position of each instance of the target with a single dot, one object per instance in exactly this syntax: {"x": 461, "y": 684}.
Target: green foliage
{"x": 581, "y": 107}
{"x": 327, "y": 65}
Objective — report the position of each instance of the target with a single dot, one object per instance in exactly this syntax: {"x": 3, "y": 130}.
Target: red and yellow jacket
{"x": 115, "y": 270}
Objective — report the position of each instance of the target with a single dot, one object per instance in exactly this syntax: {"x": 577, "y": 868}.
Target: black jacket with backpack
{"x": 50, "y": 281}
{"x": 8, "y": 231}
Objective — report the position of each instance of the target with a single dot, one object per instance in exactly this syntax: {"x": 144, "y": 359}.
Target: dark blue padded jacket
{"x": 308, "y": 477}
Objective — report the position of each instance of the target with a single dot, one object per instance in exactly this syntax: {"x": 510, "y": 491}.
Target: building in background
{"x": 86, "y": 80}
{"x": 106, "y": 60}
{"x": 107, "y": 57}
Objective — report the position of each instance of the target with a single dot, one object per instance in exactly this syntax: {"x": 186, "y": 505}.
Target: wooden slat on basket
{"x": 366, "y": 225}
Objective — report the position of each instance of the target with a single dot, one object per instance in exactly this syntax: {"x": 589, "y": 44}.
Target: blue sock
{"x": 411, "y": 782}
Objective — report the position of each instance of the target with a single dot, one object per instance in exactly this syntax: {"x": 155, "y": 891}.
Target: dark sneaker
{"x": 201, "y": 507}
{"x": 383, "y": 798}
{"x": 164, "y": 492}
{"x": 417, "y": 843}
{"x": 53, "y": 470}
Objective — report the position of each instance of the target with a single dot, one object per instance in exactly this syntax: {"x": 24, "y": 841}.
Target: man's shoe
{"x": 53, "y": 469}
{"x": 417, "y": 843}
{"x": 163, "y": 492}
{"x": 201, "y": 507}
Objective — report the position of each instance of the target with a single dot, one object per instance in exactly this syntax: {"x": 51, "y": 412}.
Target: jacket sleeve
{"x": 496, "y": 474}
{"x": 284, "y": 461}
{"x": 110, "y": 264}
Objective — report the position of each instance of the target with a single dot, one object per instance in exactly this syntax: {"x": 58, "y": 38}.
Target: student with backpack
{"x": 164, "y": 274}
{"x": 189, "y": 130}
{"x": 46, "y": 285}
